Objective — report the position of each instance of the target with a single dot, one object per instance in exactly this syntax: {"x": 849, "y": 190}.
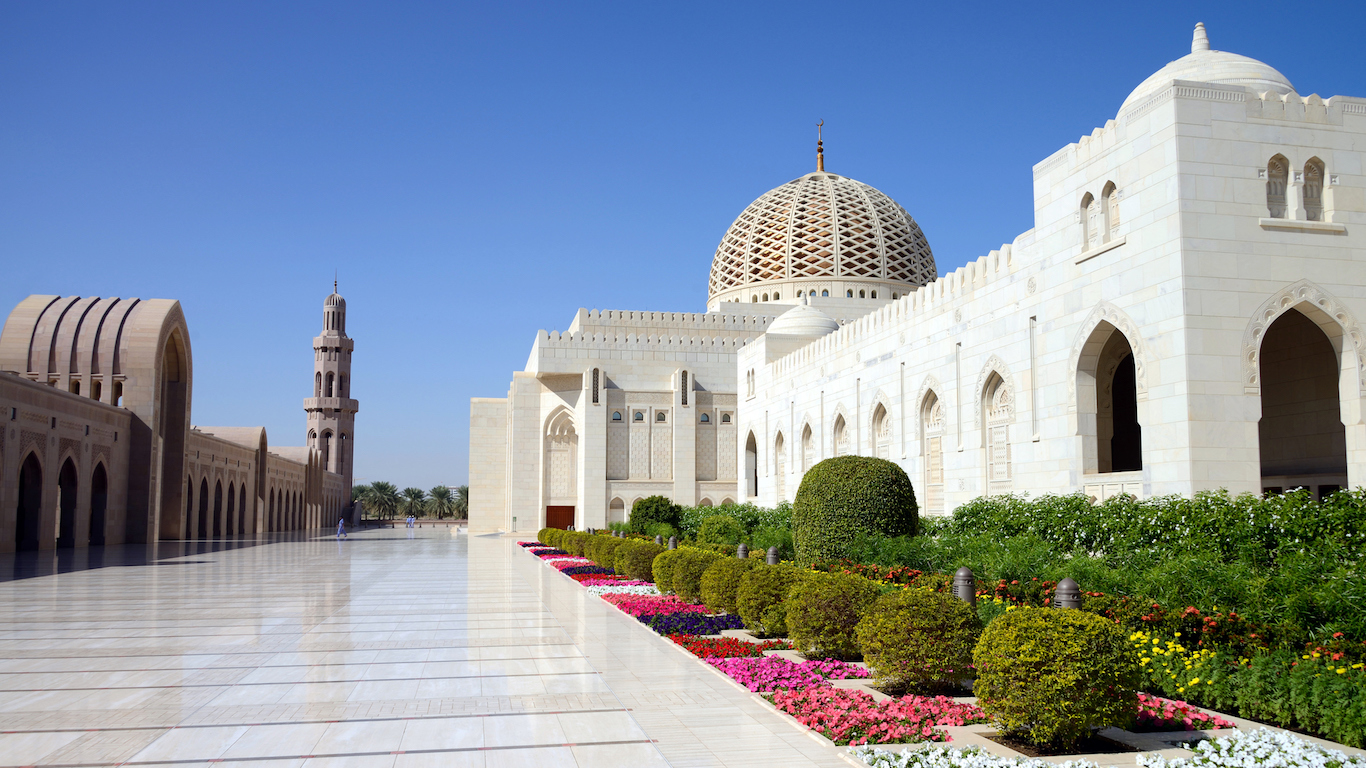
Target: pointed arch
{"x": 1105, "y": 312}
{"x": 1277, "y": 182}
{"x": 880, "y": 426}
{"x": 1313, "y": 189}
{"x": 28, "y": 521}
{"x": 808, "y": 445}
{"x": 1320, "y": 306}
{"x": 751, "y": 466}
{"x": 1109, "y": 198}
{"x": 780, "y": 466}
{"x": 1003, "y": 402}
{"x": 841, "y": 432}
{"x": 560, "y": 475}
{"x": 930, "y": 416}
{"x": 1090, "y": 224}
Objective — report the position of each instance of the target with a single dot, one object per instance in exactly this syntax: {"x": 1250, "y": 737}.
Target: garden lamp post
{"x": 772, "y": 558}
{"x": 965, "y": 586}
{"x": 742, "y": 552}
{"x": 1068, "y": 594}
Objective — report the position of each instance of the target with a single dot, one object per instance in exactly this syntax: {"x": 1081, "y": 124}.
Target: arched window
{"x": 705, "y": 419}
{"x": 342, "y": 388}
{"x": 1109, "y": 197}
{"x": 808, "y": 448}
{"x": 932, "y": 451}
{"x": 996, "y": 411}
{"x": 326, "y": 449}
{"x": 849, "y": 294}
{"x": 341, "y": 453}
{"x": 659, "y": 416}
{"x": 894, "y": 296}
{"x": 640, "y": 416}
{"x": 751, "y": 466}
{"x": 1277, "y": 179}
{"x": 99, "y": 498}
{"x": 616, "y": 415}
{"x": 776, "y": 296}
{"x": 1088, "y": 221}
{"x": 1313, "y": 189}
{"x": 825, "y": 293}
{"x": 725, "y": 418}
{"x": 765, "y": 297}
{"x": 873, "y": 295}
{"x": 96, "y": 390}
{"x": 841, "y": 437}
{"x": 705, "y": 502}
{"x": 318, "y": 384}
{"x": 780, "y": 467}
{"x": 882, "y": 433}
{"x": 118, "y": 394}
{"x": 755, "y": 298}
{"x": 860, "y": 295}
{"x": 813, "y": 292}
{"x": 616, "y": 511}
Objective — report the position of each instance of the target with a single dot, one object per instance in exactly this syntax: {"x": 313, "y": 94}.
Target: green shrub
{"x": 721, "y": 581}
{"x": 688, "y": 570}
{"x": 604, "y": 551}
{"x": 846, "y": 497}
{"x": 749, "y": 516}
{"x": 772, "y": 536}
{"x": 663, "y": 530}
{"x": 823, "y": 611}
{"x": 575, "y": 542}
{"x": 635, "y": 559}
{"x": 720, "y": 529}
{"x": 652, "y": 510}
{"x": 662, "y": 568}
{"x": 1051, "y": 676}
{"x": 761, "y": 599}
{"x": 919, "y": 638}
{"x": 543, "y": 535}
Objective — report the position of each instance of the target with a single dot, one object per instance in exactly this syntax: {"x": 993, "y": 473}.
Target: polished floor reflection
{"x": 393, "y": 648}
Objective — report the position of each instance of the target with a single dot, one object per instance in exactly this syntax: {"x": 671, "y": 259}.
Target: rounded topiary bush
{"x": 635, "y": 559}
{"x": 652, "y": 511}
{"x": 1051, "y": 676}
{"x": 688, "y": 570}
{"x": 543, "y": 535}
{"x": 721, "y": 581}
{"x": 824, "y": 609}
{"x": 605, "y": 551}
{"x": 575, "y": 541}
{"x": 846, "y": 497}
{"x": 662, "y": 568}
{"x": 720, "y": 529}
{"x": 761, "y": 599}
{"x": 919, "y": 639}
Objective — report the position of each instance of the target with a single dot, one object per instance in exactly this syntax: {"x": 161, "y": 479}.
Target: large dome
{"x": 1203, "y": 65}
{"x": 822, "y": 235}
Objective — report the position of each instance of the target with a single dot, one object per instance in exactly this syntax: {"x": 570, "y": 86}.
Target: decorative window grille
{"x": 1277, "y": 179}
{"x": 683, "y": 386}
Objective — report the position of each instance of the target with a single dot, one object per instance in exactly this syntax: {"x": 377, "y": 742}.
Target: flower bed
{"x": 726, "y": 647}
{"x": 547, "y": 552}
{"x": 855, "y": 717}
{"x": 530, "y": 544}
{"x": 768, "y": 674}
{"x": 691, "y": 623}
{"x": 1261, "y": 747}
{"x": 649, "y": 605}
{"x": 575, "y": 570}
{"x": 623, "y": 588}
{"x": 950, "y": 757}
{"x": 1158, "y": 714}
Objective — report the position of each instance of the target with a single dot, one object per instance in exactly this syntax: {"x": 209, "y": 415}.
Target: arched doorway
{"x": 29, "y": 514}
{"x": 203, "y": 532}
{"x": 270, "y": 513}
{"x": 66, "y": 504}
{"x": 1107, "y": 403}
{"x": 99, "y": 499}
{"x": 232, "y": 526}
{"x": 175, "y": 375}
{"x": 932, "y": 452}
{"x": 751, "y": 466}
{"x": 1301, "y": 437}
{"x": 218, "y": 509}
{"x": 561, "y": 470}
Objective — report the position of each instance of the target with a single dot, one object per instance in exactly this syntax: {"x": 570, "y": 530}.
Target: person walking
{"x": 341, "y": 527}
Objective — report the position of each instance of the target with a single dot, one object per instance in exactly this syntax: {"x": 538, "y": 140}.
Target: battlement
{"x": 925, "y": 302}
{"x": 613, "y": 321}
{"x": 634, "y": 341}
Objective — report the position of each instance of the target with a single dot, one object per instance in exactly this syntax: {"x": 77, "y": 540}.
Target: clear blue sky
{"x": 477, "y": 172}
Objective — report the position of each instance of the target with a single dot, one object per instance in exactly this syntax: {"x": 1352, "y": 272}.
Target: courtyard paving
{"x": 397, "y": 647}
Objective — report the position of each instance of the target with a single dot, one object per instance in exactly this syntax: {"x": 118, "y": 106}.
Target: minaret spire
{"x": 820, "y": 148}
{"x": 1200, "y": 40}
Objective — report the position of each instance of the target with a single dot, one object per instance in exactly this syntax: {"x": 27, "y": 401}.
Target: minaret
{"x": 331, "y": 410}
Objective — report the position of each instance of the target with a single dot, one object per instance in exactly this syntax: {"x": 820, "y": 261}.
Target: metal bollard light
{"x": 965, "y": 586}
{"x": 659, "y": 541}
{"x": 772, "y": 558}
{"x": 742, "y": 552}
{"x": 673, "y": 542}
{"x": 1068, "y": 594}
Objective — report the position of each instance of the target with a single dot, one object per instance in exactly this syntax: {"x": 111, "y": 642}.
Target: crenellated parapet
{"x": 685, "y": 324}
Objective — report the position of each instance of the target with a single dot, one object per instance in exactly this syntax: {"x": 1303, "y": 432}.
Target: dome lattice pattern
{"x": 822, "y": 226}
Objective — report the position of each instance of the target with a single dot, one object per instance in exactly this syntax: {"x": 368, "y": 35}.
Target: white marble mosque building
{"x": 1183, "y": 316}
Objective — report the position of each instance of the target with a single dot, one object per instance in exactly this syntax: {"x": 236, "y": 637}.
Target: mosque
{"x": 98, "y": 447}
{"x": 1182, "y": 317}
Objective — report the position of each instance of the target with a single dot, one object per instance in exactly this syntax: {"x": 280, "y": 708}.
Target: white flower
{"x": 643, "y": 589}
{"x": 952, "y": 757}
{"x": 1262, "y": 748}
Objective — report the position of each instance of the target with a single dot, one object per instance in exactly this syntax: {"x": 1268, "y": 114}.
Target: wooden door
{"x": 559, "y": 517}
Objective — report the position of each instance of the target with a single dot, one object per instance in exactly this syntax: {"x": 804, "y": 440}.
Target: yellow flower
{"x": 1342, "y": 670}
{"x": 1194, "y": 681}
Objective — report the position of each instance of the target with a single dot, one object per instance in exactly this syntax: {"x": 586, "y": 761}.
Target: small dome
{"x": 822, "y": 226}
{"x": 803, "y": 320}
{"x": 1203, "y": 65}
{"x": 334, "y": 300}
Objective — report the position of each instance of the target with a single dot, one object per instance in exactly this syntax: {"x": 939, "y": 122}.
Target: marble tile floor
{"x": 393, "y": 649}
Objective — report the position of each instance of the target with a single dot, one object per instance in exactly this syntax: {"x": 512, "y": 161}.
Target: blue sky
{"x": 477, "y": 172}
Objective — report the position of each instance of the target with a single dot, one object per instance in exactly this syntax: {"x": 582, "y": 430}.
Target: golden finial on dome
{"x": 1200, "y": 40}
{"x": 820, "y": 148}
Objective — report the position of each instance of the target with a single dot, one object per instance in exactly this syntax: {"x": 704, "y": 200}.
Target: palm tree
{"x": 439, "y": 501}
{"x": 462, "y": 502}
{"x": 413, "y": 500}
{"x": 382, "y": 499}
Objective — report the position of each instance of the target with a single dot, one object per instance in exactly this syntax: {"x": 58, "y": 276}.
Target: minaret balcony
{"x": 344, "y": 404}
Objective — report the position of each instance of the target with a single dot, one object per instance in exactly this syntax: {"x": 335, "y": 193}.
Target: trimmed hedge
{"x": 823, "y": 611}
{"x": 603, "y": 550}
{"x": 761, "y": 599}
{"x": 653, "y": 510}
{"x": 1051, "y": 676}
{"x": 721, "y": 581}
{"x": 845, "y": 498}
{"x": 662, "y": 569}
{"x": 688, "y": 570}
{"x": 920, "y": 639}
{"x": 635, "y": 559}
